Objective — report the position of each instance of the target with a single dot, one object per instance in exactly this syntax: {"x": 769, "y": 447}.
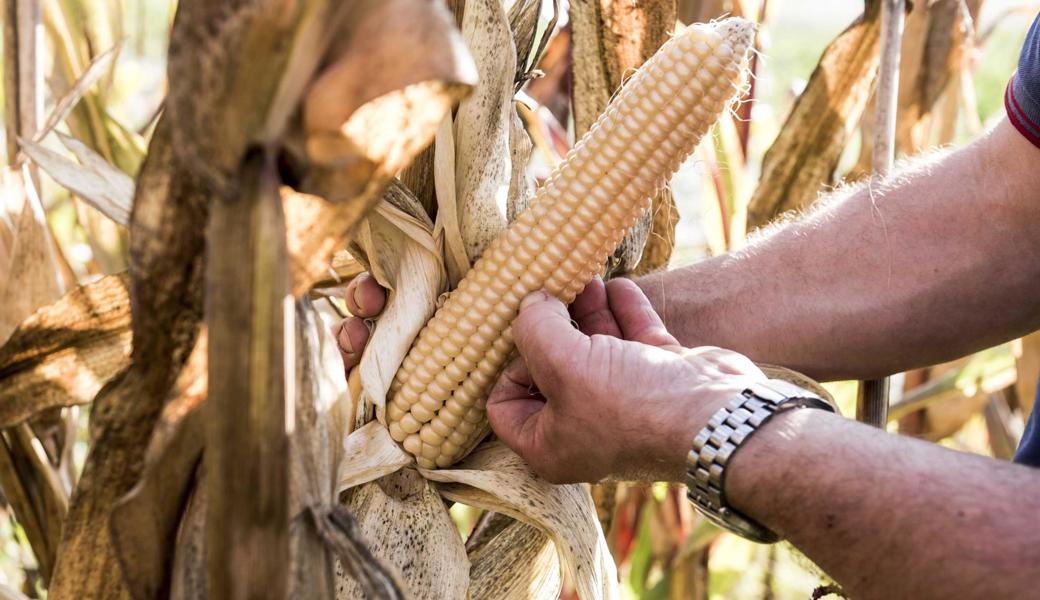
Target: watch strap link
{"x": 716, "y": 443}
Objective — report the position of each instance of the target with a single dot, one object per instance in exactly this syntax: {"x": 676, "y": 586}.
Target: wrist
{"x": 695, "y": 409}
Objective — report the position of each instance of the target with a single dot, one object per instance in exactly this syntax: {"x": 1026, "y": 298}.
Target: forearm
{"x": 888, "y": 516}
{"x": 941, "y": 261}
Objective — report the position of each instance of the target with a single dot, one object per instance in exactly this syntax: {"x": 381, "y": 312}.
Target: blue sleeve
{"x": 1022, "y": 98}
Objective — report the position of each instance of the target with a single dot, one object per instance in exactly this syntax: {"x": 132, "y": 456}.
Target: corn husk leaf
{"x": 482, "y": 126}
{"x": 400, "y": 251}
{"x": 520, "y": 149}
{"x": 65, "y": 352}
{"x": 448, "y": 224}
{"x": 494, "y": 478}
{"x": 520, "y": 563}
{"x": 405, "y": 521}
{"x": 103, "y": 186}
{"x": 339, "y": 530}
{"x": 370, "y": 453}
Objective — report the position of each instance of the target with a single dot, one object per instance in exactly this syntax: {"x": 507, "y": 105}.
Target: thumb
{"x": 546, "y": 338}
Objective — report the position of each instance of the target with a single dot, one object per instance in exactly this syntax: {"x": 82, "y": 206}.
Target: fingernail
{"x": 357, "y": 298}
{"x": 533, "y": 298}
{"x": 344, "y": 341}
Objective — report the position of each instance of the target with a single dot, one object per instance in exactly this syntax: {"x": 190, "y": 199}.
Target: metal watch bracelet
{"x": 725, "y": 432}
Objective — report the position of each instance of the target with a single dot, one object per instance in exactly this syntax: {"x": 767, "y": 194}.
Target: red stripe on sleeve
{"x": 1024, "y": 126}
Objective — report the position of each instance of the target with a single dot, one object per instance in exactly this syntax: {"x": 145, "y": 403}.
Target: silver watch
{"x": 716, "y": 443}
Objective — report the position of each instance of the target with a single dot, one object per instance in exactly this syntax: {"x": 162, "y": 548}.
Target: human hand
{"x": 616, "y": 397}
{"x": 365, "y": 299}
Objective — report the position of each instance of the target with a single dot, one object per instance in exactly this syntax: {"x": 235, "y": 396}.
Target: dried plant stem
{"x": 247, "y": 520}
{"x": 872, "y": 403}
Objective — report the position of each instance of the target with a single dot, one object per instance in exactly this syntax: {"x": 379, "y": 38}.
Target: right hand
{"x": 365, "y": 300}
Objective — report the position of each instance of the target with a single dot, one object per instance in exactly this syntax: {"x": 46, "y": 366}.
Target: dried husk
{"x": 520, "y": 563}
{"x": 494, "y": 478}
{"x": 408, "y": 527}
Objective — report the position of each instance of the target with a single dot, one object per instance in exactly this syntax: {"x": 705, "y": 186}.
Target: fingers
{"x": 364, "y": 296}
{"x": 546, "y": 338}
{"x": 351, "y": 336}
{"x": 636, "y": 318}
{"x": 591, "y": 311}
{"x": 513, "y": 407}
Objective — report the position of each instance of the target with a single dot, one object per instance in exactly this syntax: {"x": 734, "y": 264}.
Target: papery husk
{"x": 396, "y": 243}
{"x": 482, "y": 126}
{"x": 370, "y": 453}
{"x": 495, "y": 478}
{"x": 408, "y": 528}
{"x": 520, "y": 563}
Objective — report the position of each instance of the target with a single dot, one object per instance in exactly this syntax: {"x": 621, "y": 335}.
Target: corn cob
{"x": 577, "y": 218}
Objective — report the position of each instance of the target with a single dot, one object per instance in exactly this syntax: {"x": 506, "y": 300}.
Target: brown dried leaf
{"x": 166, "y": 246}
{"x": 144, "y": 522}
{"x": 340, "y": 531}
{"x": 611, "y": 39}
{"x": 33, "y": 279}
{"x": 408, "y": 527}
{"x": 247, "y": 445}
{"x": 252, "y": 61}
{"x": 99, "y": 66}
{"x": 65, "y": 352}
{"x": 362, "y": 129}
{"x": 520, "y": 563}
{"x": 806, "y": 152}
{"x": 103, "y": 186}
{"x": 494, "y": 478}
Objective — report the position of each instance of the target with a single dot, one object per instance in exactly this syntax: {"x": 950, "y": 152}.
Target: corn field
{"x": 188, "y": 188}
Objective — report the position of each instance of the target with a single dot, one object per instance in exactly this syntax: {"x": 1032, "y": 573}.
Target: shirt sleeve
{"x": 1022, "y": 98}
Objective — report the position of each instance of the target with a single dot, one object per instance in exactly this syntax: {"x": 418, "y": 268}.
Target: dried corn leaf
{"x": 32, "y": 279}
{"x": 396, "y": 73}
{"x": 253, "y": 60}
{"x": 340, "y": 531}
{"x": 495, "y": 478}
{"x": 103, "y": 186}
{"x": 356, "y": 162}
{"x": 408, "y": 527}
{"x": 370, "y": 453}
{"x": 400, "y": 251}
{"x": 100, "y": 66}
{"x": 520, "y": 563}
{"x": 448, "y": 225}
{"x": 144, "y": 522}
{"x": 321, "y": 410}
{"x": 523, "y": 22}
{"x": 482, "y": 125}
{"x": 520, "y": 186}
{"x": 611, "y": 39}
{"x": 806, "y": 152}
{"x": 65, "y": 352}
{"x": 169, "y": 215}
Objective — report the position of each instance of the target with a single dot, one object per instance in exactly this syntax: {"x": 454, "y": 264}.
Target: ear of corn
{"x": 437, "y": 399}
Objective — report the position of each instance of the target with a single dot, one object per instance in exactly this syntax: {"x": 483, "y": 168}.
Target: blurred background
{"x": 115, "y": 49}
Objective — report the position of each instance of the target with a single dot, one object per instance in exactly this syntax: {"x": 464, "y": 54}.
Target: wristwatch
{"x": 725, "y": 432}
